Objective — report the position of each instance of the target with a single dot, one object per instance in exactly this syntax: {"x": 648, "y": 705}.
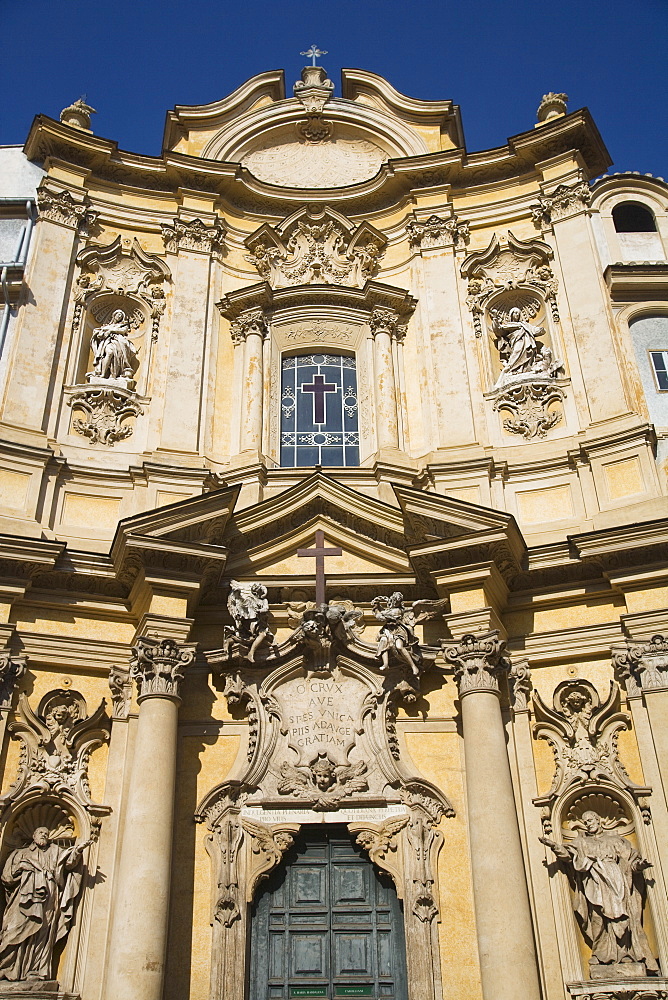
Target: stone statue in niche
{"x": 41, "y": 882}
{"x": 607, "y": 874}
{"x": 115, "y": 355}
{"x": 249, "y": 608}
{"x": 520, "y": 348}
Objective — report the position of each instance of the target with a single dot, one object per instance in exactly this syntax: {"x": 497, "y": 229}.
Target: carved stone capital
{"x": 157, "y": 666}
{"x": 249, "y": 322}
{"x": 520, "y": 685}
{"x": 384, "y": 320}
{"x": 479, "y": 660}
{"x": 437, "y": 232}
{"x": 12, "y": 668}
{"x": 643, "y": 665}
{"x": 565, "y": 200}
{"x": 120, "y": 685}
{"x": 105, "y": 411}
{"x": 193, "y": 235}
{"x": 61, "y": 207}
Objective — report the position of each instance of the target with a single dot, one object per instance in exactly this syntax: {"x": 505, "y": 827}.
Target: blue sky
{"x": 134, "y": 59}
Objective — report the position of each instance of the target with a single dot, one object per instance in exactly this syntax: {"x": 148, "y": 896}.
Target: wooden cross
{"x": 319, "y": 553}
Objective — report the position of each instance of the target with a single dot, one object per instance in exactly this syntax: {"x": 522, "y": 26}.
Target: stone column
{"x": 506, "y": 947}
{"x": 384, "y": 328}
{"x": 254, "y": 328}
{"x": 138, "y": 939}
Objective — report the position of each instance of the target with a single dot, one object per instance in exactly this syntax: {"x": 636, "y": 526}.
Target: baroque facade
{"x": 333, "y": 557}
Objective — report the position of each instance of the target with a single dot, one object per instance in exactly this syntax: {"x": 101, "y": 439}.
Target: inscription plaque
{"x": 321, "y": 716}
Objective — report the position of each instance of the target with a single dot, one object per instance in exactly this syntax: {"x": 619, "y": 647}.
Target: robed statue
{"x": 606, "y": 874}
{"x": 518, "y": 343}
{"x": 113, "y": 351}
{"x": 41, "y": 882}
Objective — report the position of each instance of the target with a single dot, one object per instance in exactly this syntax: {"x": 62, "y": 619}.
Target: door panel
{"x": 327, "y": 919}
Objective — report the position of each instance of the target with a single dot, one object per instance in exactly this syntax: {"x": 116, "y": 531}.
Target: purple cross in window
{"x": 319, "y": 387}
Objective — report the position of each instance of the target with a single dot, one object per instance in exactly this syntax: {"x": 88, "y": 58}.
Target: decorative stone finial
{"x": 552, "y": 106}
{"x": 78, "y": 115}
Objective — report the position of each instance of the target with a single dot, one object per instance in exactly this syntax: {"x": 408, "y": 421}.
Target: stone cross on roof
{"x": 313, "y": 53}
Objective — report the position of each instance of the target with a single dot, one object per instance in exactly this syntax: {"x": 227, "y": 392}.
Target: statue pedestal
{"x": 624, "y": 970}
{"x": 35, "y": 989}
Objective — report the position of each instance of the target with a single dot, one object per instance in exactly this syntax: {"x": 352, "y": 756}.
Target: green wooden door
{"x": 327, "y": 924}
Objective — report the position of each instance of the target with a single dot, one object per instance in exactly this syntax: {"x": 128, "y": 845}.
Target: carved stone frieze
{"x": 642, "y": 665}
{"x": 513, "y": 266}
{"x": 61, "y": 207}
{"x": 583, "y": 735}
{"x": 316, "y": 246}
{"x": 478, "y": 660}
{"x": 157, "y": 666}
{"x": 194, "y": 235}
{"x": 12, "y": 669}
{"x": 56, "y": 744}
{"x": 436, "y": 232}
{"x": 106, "y": 411}
{"x": 565, "y": 200}
{"x": 530, "y": 404}
{"x": 621, "y": 989}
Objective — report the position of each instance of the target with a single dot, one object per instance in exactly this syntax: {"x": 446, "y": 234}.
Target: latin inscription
{"x": 321, "y": 716}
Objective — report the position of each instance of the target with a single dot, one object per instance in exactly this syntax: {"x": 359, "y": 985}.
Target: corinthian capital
{"x": 437, "y": 232}
{"x": 564, "y": 201}
{"x": 12, "y": 668}
{"x": 385, "y": 321}
{"x": 61, "y": 207}
{"x": 642, "y": 665}
{"x": 251, "y": 321}
{"x": 157, "y": 665}
{"x": 478, "y": 660}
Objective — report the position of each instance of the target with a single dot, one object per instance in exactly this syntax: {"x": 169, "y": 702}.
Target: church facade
{"x": 333, "y": 557}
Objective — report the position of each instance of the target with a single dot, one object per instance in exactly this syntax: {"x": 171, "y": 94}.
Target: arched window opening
{"x": 632, "y": 217}
{"x": 319, "y": 410}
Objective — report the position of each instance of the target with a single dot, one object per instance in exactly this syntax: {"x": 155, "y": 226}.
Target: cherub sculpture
{"x": 323, "y": 783}
{"x": 397, "y": 639}
{"x": 249, "y": 608}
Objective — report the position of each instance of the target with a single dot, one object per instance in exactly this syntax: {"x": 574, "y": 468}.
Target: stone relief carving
{"x": 643, "y": 666}
{"x": 105, "y": 411}
{"x": 478, "y": 660}
{"x": 120, "y": 685}
{"x": 565, "y": 200}
{"x": 12, "y": 669}
{"x": 606, "y": 875}
{"x": 157, "y": 666}
{"x": 316, "y": 246}
{"x": 649, "y": 990}
{"x": 42, "y": 882}
{"x": 437, "y": 232}
{"x": 56, "y": 744}
{"x": 323, "y": 784}
{"x": 520, "y": 685}
{"x": 60, "y": 207}
{"x": 194, "y": 235}
{"x": 305, "y": 163}
{"x": 583, "y": 735}
{"x": 318, "y": 332}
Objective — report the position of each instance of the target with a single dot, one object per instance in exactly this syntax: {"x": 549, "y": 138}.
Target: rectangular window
{"x": 660, "y": 366}
{"x": 319, "y": 411}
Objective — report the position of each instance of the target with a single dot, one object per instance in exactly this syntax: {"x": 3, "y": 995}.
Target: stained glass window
{"x": 319, "y": 423}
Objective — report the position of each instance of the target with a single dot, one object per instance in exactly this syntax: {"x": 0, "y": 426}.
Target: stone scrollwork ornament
{"x": 194, "y": 234}
{"x": 104, "y": 411}
{"x": 57, "y": 742}
{"x": 324, "y": 784}
{"x": 61, "y": 207}
{"x": 316, "y": 246}
{"x": 529, "y": 404}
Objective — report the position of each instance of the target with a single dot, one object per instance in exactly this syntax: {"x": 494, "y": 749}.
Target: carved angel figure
{"x": 41, "y": 882}
{"x": 606, "y": 873}
{"x": 397, "y": 636}
{"x": 114, "y": 353}
{"x": 323, "y": 783}
{"x": 249, "y": 609}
